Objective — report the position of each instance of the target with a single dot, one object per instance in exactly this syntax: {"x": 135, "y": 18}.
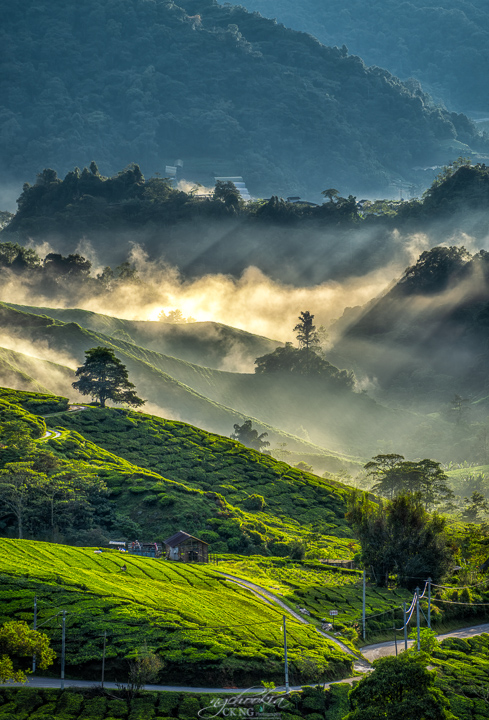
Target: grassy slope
{"x": 32, "y": 374}
{"x": 295, "y": 501}
{"x": 204, "y": 343}
{"x": 319, "y": 588}
{"x": 199, "y": 623}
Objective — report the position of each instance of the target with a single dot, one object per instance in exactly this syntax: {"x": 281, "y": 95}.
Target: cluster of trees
{"x": 393, "y": 475}
{"x": 119, "y": 82}
{"x": 399, "y": 537}
{"x": 308, "y": 359}
{"x": 46, "y": 496}
{"x": 56, "y": 275}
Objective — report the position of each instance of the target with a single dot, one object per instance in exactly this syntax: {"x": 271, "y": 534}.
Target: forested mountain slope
{"x": 227, "y": 91}
{"x": 444, "y": 45}
{"x": 427, "y": 337}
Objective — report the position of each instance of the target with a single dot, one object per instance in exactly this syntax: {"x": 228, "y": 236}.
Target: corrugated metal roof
{"x": 180, "y": 537}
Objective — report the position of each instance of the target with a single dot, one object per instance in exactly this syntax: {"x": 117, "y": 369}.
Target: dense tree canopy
{"x": 399, "y": 688}
{"x": 122, "y": 82}
{"x": 394, "y": 476}
{"x": 17, "y": 642}
{"x": 441, "y": 44}
{"x": 399, "y": 537}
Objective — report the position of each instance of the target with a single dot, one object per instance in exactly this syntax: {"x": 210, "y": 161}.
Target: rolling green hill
{"x": 156, "y": 475}
{"x": 207, "y": 631}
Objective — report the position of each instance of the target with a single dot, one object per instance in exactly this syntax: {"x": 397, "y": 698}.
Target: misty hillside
{"x": 173, "y": 388}
{"x": 318, "y": 416}
{"x": 426, "y": 339}
{"x": 208, "y": 344}
{"x": 443, "y": 45}
{"x": 226, "y": 91}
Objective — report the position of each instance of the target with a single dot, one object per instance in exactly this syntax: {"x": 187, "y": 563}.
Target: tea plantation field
{"x": 273, "y": 496}
{"x": 319, "y": 588}
{"x": 161, "y": 476}
{"x": 207, "y": 631}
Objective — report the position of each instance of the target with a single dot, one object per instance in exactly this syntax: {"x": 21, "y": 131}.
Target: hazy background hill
{"x": 444, "y": 45}
{"x": 320, "y": 419}
{"x": 425, "y": 340}
{"x": 227, "y": 91}
{"x": 209, "y": 344}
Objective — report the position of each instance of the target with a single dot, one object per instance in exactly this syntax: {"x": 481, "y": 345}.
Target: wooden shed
{"x": 186, "y": 548}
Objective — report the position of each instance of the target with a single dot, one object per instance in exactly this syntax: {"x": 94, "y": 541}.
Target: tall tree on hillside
{"x": 307, "y": 336}
{"x": 306, "y": 331}
{"x": 104, "y": 377}
{"x": 247, "y": 435}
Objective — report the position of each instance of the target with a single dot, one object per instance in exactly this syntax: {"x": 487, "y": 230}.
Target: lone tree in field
{"x": 104, "y": 377}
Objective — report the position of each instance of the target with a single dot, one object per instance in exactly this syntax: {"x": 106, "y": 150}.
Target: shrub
{"x": 254, "y": 502}
{"x": 189, "y": 708}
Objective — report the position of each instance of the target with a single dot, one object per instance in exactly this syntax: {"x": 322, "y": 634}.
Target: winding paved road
{"x": 50, "y": 435}
{"x": 374, "y": 652}
{"x": 359, "y": 663}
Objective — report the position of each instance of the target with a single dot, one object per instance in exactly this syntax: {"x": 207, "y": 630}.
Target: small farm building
{"x": 186, "y": 548}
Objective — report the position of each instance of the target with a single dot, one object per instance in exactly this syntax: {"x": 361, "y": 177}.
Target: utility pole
{"x": 363, "y": 604}
{"x": 285, "y": 656}
{"x": 63, "y": 638}
{"x": 103, "y": 657}
{"x": 35, "y": 626}
{"x": 429, "y": 602}
{"x": 405, "y": 625}
{"x": 417, "y": 617}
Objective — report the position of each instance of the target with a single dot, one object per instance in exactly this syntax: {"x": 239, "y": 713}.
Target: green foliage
{"x": 18, "y": 640}
{"x": 104, "y": 377}
{"x": 400, "y": 537}
{"x": 398, "y": 687}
